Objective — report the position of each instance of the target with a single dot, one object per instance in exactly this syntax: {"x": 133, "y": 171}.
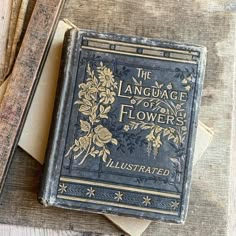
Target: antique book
{"x": 125, "y": 123}
{"x": 34, "y": 138}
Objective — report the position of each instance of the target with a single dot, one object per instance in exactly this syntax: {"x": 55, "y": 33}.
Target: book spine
{"x": 59, "y": 116}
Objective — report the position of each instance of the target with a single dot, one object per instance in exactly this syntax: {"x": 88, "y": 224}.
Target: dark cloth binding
{"x": 124, "y": 128}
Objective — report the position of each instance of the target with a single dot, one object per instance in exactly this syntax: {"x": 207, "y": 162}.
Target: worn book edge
{"x": 187, "y": 179}
{"x": 59, "y": 115}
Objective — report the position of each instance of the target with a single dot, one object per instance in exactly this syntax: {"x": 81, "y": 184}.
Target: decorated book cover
{"x": 123, "y": 134}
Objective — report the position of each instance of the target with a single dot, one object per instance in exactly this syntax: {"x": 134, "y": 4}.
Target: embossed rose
{"x": 102, "y": 136}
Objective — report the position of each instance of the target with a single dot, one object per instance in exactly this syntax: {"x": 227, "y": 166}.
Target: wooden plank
{"x": 19, "y": 204}
{"x": 11, "y": 230}
{"x": 5, "y": 15}
{"x": 23, "y": 80}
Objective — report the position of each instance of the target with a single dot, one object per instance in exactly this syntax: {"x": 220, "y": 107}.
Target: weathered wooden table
{"x": 207, "y": 22}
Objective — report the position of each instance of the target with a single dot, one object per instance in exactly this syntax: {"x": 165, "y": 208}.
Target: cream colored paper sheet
{"x": 36, "y": 130}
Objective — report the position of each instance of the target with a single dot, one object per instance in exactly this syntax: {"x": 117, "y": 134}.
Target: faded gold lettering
{"x": 125, "y": 166}
{"x": 144, "y": 74}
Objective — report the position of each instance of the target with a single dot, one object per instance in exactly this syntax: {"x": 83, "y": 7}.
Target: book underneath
{"x": 124, "y": 128}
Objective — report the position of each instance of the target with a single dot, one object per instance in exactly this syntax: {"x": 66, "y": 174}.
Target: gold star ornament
{"x": 146, "y": 201}
{"x": 62, "y": 188}
{"x": 90, "y": 192}
{"x": 174, "y": 205}
{"x": 118, "y": 196}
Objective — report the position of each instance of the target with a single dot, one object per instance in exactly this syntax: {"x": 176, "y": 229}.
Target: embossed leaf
{"x": 102, "y": 100}
{"x": 93, "y": 97}
{"x": 171, "y": 136}
{"x": 78, "y": 102}
{"x": 93, "y": 116}
{"x": 76, "y": 142}
{"x": 107, "y": 151}
{"x": 76, "y": 149}
{"x": 189, "y": 78}
{"x": 145, "y": 126}
{"x": 102, "y": 109}
{"x": 158, "y": 85}
{"x": 176, "y": 140}
{"x": 91, "y": 119}
{"x": 101, "y": 153}
{"x": 107, "y": 109}
{"x": 94, "y": 152}
{"x": 89, "y": 71}
{"x": 104, "y": 116}
{"x": 94, "y": 109}
{"x": 188, "y": 87}
{"x": 84, "y": 108}
{"x": 135, "y": 81}
{"x": 178, "y": 177}
{"x": 114, "y": 141}
{"x": 85, "y": 126}
{"x": 95, "y": 80}
{"x": 87, "y": 102}
{"x": 166, "y": 132}
{"x": 104, "y": 157}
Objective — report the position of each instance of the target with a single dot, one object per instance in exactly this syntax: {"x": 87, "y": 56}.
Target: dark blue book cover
{"x": 124, "y": 127}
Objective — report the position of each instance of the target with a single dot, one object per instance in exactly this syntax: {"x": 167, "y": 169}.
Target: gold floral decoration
{"x": 187, "y": 82}
{"x": 96, "y": 96}
{"x": 156, "y": 132}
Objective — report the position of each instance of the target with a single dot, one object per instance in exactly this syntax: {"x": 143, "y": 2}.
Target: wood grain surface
{"x": 24, "y": 77}
{"x": 207, "y": 22}
{"x": 5, "y": 16}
